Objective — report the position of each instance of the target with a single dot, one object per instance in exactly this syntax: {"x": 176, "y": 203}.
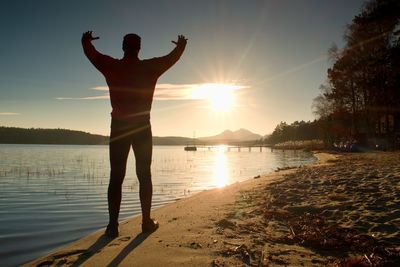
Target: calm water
{"x": 51, "y": 195}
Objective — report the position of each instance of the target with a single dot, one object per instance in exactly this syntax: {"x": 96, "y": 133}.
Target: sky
{"x": 271, "y": 55}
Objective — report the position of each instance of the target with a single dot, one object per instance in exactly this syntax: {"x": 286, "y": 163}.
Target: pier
{"x": 249, "y": 148}
{"x": 235, "y": 147}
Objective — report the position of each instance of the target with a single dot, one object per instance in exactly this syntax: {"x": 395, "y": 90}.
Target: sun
{"x": 220, "y": 96}
{"x": 221, "y": 100}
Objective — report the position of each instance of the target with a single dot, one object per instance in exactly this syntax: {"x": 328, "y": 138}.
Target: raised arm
{"x": 99, "y": 60}
{"x": 165, "y": 62}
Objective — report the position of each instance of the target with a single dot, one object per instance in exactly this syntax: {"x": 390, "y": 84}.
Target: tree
{"x": 363, "y": 82}
{"x": 323, "y": 106}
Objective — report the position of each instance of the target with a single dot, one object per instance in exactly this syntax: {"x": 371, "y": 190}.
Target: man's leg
{"x": 119, "y": 150}
{"x": 142, "y": 147}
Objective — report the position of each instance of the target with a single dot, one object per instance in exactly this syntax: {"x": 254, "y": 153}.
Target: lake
{"x": 52, "y": 195}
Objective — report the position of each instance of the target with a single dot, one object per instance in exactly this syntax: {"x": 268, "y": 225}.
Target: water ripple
{"x": 53, "y": 195}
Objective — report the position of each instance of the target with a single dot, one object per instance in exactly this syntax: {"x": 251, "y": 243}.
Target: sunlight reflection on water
{"x": 220, "y": 168}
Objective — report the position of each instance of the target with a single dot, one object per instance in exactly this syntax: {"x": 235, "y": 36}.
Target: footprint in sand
{"x": 124, "y": 238}
{"x": 119, "y": 241}
{"x": 58, "y": 258}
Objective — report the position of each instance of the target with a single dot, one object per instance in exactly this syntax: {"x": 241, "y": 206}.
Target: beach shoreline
{"x": 218, "y": 227}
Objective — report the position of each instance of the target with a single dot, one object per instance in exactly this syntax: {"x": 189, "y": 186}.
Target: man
{"x": 131, "y": 82}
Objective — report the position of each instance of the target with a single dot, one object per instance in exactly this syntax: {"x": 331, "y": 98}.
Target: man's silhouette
{"x": 131, "y": 82}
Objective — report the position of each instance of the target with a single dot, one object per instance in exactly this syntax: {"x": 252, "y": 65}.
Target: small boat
{"x": 190, "y": 148}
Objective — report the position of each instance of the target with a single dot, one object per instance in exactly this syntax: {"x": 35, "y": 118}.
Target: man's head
{"x": 131, "y": 43}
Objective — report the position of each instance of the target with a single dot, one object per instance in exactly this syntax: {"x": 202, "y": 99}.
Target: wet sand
{"x": 346, "y": 208}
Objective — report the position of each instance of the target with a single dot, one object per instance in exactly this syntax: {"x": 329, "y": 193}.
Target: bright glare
{"x": 220, "y": 96}
{"x": 220, "y": 168}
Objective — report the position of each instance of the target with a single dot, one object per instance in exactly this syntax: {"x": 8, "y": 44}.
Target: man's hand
{"x": 87, "y": 36}
{"x": 181, "y": 41}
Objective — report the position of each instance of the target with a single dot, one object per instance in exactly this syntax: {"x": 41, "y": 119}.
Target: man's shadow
{"x": 97, "y": 246}
{"x": 102, "y": 242}
{"x": 128, "y": 249}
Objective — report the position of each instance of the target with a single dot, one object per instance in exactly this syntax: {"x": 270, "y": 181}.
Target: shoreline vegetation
{"x": 15, "y": 135}
{"x": 342, "y": 211}
{"x": 308, "y": 145}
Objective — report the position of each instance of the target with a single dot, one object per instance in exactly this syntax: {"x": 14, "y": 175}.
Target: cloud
{"x": 169, "y": 91}
{"x": 100, "y": 88}
{"x": 9, "y": 113}
{"x": 164, "y": 91}
{"x": 192, "y": 91}
{"x": 84, "y": 98}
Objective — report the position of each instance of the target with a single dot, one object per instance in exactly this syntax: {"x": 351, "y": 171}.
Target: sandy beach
{"x": 343, "y": 210}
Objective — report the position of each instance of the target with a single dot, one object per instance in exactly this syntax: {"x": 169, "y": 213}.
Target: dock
{"x": 235, "y": 147}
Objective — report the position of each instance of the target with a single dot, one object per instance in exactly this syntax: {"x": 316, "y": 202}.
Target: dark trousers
{"x": 125, "y": 135}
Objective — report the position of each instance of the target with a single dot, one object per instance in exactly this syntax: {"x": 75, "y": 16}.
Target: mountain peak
{"x": 239, "y": 135}
{"x": 227, "y": 132}
{"x": 242, "y": 130}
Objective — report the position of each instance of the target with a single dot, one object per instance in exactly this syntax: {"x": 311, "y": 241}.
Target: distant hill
{"x": 241, "y": 135}
{"x": 13, "y": 135}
